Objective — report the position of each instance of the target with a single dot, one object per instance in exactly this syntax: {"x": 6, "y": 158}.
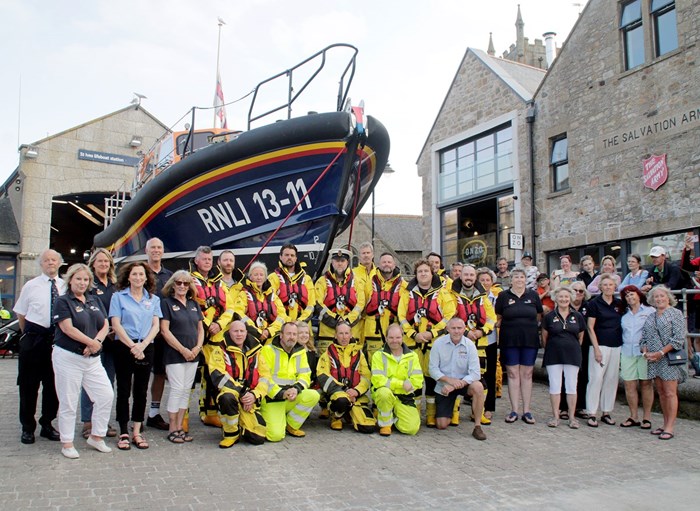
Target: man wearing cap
{"x": 543, "y": 290}
{"x": 531, "y": 272}
{"x": 338, "y": 298}
{"x": 662, "y": 271}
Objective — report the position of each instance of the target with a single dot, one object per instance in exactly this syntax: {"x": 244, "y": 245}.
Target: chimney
{"x": 550, "y": 47}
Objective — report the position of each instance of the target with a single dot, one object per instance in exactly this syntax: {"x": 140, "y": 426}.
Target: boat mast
{"x": 219, "y": 94}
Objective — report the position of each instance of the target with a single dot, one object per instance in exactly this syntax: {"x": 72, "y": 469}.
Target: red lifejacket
{"x": 428, "y": 305}
{"x": 336, "y": 293}
{"x": 250, "y": 374}
{"x": 388, "y": 299}
{"x": 210, "y": 295}
{"x": 471, "y": 311}
{"x": 265, "y": 309}
{"x": 292, "y": 290}
{"x": 348, "y": 376}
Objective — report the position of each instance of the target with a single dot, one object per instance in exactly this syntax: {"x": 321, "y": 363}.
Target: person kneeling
{"x": 343, "y": 375}
{"x": 454, "y": 364}
{"x": 396, "y": 375}
{"x": 242, "y": 377}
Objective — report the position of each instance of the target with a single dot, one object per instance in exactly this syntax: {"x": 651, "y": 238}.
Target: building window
{"x": 560, "y": 164}
{"x": 663, "y": 13}
{"x": 478, "y": 164}
{"x": 632, "y": 33}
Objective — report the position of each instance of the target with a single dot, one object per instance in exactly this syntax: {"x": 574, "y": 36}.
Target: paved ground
{"x": 520, "y": 466}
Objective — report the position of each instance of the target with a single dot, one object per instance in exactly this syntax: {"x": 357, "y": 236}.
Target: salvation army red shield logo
{"x": 655, "y": 171}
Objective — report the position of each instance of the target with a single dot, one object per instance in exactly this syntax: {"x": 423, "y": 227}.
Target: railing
{"x": 114, "y": 204}
{"x": 685, "y": 294}
{"x": 292, "y": 96}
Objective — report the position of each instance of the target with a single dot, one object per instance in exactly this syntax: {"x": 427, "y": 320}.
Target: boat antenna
{"x": 219, "y": 103}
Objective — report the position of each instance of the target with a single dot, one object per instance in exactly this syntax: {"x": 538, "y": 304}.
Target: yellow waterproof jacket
{"x": 363, "y": 280}
{"x": 383, "y": 302}
{"x": 213, "y": 298}
{"x": 286, "y": 369}
{"x": 423, "y": 312}
{"x": 260, "y": 309}
{"x": 477, "y": 311}
{"x": 296, "y": 292}
{"x": 335, "y": 298}
{"x": 342, "y": 368}
{"x": 390, "y": 373}
{"x": 238, "y": 369}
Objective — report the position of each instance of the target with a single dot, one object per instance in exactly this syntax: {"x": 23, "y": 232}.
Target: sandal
{"x": 646, "y": 424}
{"x": 629, "y": 423}
{"x": 564, "y": 415}
{"x": 175, "y": 437}
{"x": 123, "y": 443}
{"x": 592, "y": 421}
{"x": 553, "y": 423}
{"x": 574, "y": 424}
{"x": 511, "y": 417}
{"x": 665, "y": 436}
{"x": 657, "y": 431}
{"x": 528, "y": 418}
{"x": 139, "y": 441}
{"x": 185, "y": 436}
{"x": 607, "y": 419}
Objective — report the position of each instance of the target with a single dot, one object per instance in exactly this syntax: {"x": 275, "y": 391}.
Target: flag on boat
{"x": 219, "y": 103}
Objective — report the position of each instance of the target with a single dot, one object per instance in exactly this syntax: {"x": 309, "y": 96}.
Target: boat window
{"x": 201, "y": 139}
{"x": 165, "y": 152}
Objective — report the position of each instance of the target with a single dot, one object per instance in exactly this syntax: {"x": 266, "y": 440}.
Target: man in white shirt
{"x": 34, "y": 311}
{"x": 454, "y": 365}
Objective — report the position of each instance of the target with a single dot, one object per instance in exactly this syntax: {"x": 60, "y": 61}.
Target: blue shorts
{"x": 518, "y": 356}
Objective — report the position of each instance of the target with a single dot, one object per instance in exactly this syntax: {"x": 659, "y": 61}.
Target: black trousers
{"x": 132, "y": 379}
{"x": 35, "y": 369}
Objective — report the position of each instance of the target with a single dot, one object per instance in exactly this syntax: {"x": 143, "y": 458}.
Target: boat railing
{"x": 114, "y": 204}
{"x": 293, "y": 94}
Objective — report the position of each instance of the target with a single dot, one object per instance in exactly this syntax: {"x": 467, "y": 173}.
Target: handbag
{"x": 677, "y": 357}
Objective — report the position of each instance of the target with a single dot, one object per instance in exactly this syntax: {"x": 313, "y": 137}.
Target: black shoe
{"x": 50, "y": 433}
{"x": 157, "y": 422}
{"x": 27, "y": 437}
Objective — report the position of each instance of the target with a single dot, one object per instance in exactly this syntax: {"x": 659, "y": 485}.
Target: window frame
{"x": 560, "y": 163}
{"x": 628, "y": 30}
{"x": 656, "y": 15}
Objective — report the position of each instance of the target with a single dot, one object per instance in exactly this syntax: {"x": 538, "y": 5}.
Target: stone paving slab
{"x": 519, "y": 466}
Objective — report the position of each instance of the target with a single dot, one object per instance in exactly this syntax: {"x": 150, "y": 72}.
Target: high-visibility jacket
{"x": 239, "y": 369}
{"x": 342, "y": 368}
{"x": 339, "y": 299}
{"x": 363, "y": 279}
{"x": 260, "y": 309}
{"x": 235, "y": 288}
{"x": 383, "y": 303}
{"x": 390, "y": 373}
{"x": 476, "y": 311}
{"x": 286, "y": 369}
{"x": 422, "y": 312}
{"x": 296, "y": 292}
{"x": 216, "y": 303}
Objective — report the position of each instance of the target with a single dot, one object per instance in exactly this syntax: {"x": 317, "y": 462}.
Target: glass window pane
{"x": 465, "y": 150}
{"x": 631, "y": 12}
{"x": 634, "y": 47}
{"x": 659, "y": 4}
{"x": 561, "y": 177}
{"x": 466, "y": 187}
{"x": 448, "y": 155}
{"x": 484, "y": 143}
{"x": 666, "y": 33}
{"x": 560, "y": 150}
{"x": 449, "y": 167}
{"x": 504, "y": 134}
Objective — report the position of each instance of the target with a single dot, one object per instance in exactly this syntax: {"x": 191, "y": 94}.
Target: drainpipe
{"x": 530, "y": 119}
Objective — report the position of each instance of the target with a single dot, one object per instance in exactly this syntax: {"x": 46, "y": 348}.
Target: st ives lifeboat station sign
{"x": 655, "y": 171}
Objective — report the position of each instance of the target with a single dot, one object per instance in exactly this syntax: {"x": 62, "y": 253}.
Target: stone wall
{"x": 613, "y": 120}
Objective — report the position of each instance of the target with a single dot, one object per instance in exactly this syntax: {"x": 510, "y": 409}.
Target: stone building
{"x": 532, "y": 54}
{"x": 474, "y": 164}
{"x": 57, "y": 191}
{"x": 620, "y": 101}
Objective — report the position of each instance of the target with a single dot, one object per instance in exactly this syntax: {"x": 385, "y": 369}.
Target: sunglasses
{"x": 181, "y": 283}
{"x": 580, "y": 291}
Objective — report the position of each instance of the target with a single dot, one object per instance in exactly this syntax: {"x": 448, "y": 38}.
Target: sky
{"x": 65, "y": 63}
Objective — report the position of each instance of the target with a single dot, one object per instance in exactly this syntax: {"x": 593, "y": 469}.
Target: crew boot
{"x": 430, "y": 411}
{"x": 455, "y": 412}
{"x": 337, "y": 422}
{"x": 385, "y": 431}
{"x": 211, "y": 420}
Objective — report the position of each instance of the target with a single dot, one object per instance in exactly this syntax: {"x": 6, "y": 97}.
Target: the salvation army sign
{"x": 655, "y": 171}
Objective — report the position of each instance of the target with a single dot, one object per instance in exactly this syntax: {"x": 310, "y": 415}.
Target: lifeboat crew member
{"x": 383, "y": 304}
{"x": 344, "y": 377}
{"x": 242, "y": 377}
{"x": 438, "y": 268}
{"x": 231, "y": 277}
{"x": 364, "y": 272}
{"x": 258, "y": 305}
{"x": 289, "y": 400}
{"x": 474, "y": 307}
{"x": 396, "y": 375}
{"x": 339, "y": 299}
{"x": 217, "y": 312}
{"x": 424, "y": 308}
{"x": 294, "y": 286}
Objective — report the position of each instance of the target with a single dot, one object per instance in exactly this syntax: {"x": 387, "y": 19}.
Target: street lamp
{"x": 387, "y": 170}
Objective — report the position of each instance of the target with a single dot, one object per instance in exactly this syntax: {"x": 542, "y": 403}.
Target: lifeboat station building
{"x": 56, "y": 196}
{"x": 595, "y": 154}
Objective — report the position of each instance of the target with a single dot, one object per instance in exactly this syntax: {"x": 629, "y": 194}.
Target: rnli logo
{"x": 655, "y": 171}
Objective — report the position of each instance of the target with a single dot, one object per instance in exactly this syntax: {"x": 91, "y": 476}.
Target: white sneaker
{"x": 100, "y": 445}
{"x": 70, "y": 452}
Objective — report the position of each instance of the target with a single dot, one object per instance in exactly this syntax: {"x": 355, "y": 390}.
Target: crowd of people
{"x": 385, "y": 346}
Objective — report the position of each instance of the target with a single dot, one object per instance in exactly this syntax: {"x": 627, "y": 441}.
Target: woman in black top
{"x": 580, "y": 304}
{"x": 562, "y": 335}
{"x": 181, "y": 327}
{"x": 82, "y": 327}
{"x": 102, "y": 265}
{"x": 605, "y": 330}
{"x": 519, "y": 311}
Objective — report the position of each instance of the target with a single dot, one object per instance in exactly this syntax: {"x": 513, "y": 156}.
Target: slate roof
{"x": 401, "y": 232}
{"x": 9, "y": 233}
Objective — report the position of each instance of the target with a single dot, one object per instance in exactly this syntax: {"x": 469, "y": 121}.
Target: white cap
{"x": 657, "y": 251}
